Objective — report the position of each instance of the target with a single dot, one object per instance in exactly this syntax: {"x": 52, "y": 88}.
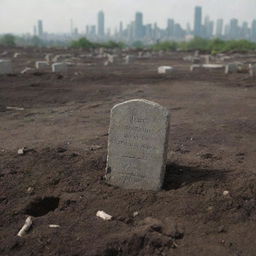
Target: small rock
{"x": 30, "y": 190}
{"x": 21, "y": 151}
{"x": 225, "y": 193}
{"x": 103, "y": 215}
{"x": 135, "y": 214}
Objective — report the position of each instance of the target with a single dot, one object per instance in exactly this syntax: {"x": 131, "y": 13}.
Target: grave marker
{"x": 5, "y": 67}
{"x": 137, "y": 145}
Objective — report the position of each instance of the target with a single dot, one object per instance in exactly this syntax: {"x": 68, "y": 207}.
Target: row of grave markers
{"x": 6, "y": 67}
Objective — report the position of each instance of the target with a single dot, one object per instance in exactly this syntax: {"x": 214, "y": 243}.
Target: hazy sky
{"x": 19, "y": 16}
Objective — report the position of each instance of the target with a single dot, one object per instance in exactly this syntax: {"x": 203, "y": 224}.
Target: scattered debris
{"x": 54, "y": 226}
{"x": 103, "y": 215}
{"x": 225, "y": 193}
{"x": 21, "y": 151}
{"x": 135, "y": 214}
{"x": 30, "y": 190}
{"x": 26, "y": 227}
{"x": 14, "y": 108}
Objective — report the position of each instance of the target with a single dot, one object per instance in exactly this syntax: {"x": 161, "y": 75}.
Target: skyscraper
{"x": 253, "y": 31}
{"x": 101, "y": 24}
{"x": 170, "y": 28}
{"x": 219, "y": 27}
{"x": 40, "y": 28}
{"x": 198, "y": 21}
{"x": 234, "y": 29}
{"x": 138, "y": 29}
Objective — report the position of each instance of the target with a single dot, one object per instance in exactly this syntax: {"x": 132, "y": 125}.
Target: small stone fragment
{"x": 26, "y": 227}
{"x": 54, "y": 226}
{"x": 225, "y": 193}
{"x": 103, "y": 215}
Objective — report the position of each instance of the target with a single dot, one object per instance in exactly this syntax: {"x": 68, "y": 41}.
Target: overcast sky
{"x": 19, "y": 16}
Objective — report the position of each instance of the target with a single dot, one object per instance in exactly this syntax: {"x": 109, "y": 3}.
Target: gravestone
{"x": 137, "y": 145}
{"x": 59, "y": 67}
{"x": 5, "y": 67}
{"x": 128, "y": 59}
{"x": 231, "y": 68}
{"x": 164, "y": 69}
{"x": 41, "y": 65}
{"x": 252, "y": 70}
{"x": 194, "y": 66}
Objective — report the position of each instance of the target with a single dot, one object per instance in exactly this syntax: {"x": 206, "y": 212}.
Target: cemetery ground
{"x": 207, "y": 205}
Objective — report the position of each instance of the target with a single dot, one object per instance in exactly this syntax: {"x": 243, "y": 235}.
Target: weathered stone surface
{"x": 59, "y": 67}
{"x": 231, "y": 68}
{"x": 137, "y": 146}
{"x": 5, "y": 67}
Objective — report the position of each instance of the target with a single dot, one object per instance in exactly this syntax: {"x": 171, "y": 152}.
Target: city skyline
{"x": 57, "y": 14}
{"x": 137, "y": 30}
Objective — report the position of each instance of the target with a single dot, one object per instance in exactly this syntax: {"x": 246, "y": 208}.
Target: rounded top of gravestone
{"x": 142, "y": 102}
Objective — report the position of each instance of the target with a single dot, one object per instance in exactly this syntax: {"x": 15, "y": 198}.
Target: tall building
{"x": 170, "y": 28}
{"x": 234, "y": 29}
{"x": 34, "y": 31}
{"x": 40, "y": 28}
{"x": 219, "y": 28}
{"x": 253, "y": 31}
{"x": 245, "y": 31}
{"x": 101, "y": 24}
{"x": 139, "y": 28}
{"x": 208, "y": 27}
{"x": 198, "y": 21}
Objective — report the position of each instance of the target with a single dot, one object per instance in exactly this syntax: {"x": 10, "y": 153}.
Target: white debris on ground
{"x": 26, "y": 227}
{"x": 103, "y": 215}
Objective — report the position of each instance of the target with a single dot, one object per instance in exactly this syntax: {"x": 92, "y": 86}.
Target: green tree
{"x": 82, "y": 43}
{"x": 8, "y": 40}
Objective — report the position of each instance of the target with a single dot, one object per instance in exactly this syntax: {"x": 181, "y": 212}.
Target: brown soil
{"x": 59, "y": 179}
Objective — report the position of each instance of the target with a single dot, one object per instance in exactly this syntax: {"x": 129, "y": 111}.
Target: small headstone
{"x": 48, "y": 57}
{"x": 252, "y": 70}
{"x": 137, "y": 145}
{"x": 194, "y": 66}
{"x": 207, "y": 59}
{"x": 128, "y": 59}
{"x": 16, "y": 55}
{"x": 231, "y": 68}
{"x": 59, "y": 67}
{"x": 164, "y": 69}
{"x": 5, "y": 67}
{"x": 213, "y": 66}
{"x": 41, "y": 65}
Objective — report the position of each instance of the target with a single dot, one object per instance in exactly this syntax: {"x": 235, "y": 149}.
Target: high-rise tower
{"x": 198, "y": 21}
{"x": 40, "y": 28}
{"x": 101, "y": 24}
{"x": 138, "y": 26}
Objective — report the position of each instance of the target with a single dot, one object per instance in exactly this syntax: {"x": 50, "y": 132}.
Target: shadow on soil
{"x": 178, "y": 176}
